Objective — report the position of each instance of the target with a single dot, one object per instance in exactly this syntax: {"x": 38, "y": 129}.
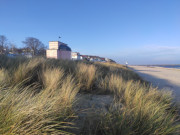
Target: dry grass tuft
{"x": 86, "y": 75}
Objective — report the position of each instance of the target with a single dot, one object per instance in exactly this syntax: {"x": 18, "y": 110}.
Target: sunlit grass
{"x": 24, "y": 111}
{"x": 37, "y": 96}
{"x": 137, "y": 109}
{"x": 86, "y": 75}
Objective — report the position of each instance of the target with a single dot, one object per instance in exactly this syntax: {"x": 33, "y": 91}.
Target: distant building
{"x": 84, "y": 57}
{"x": 81, "y": 57}
{"x": 58, "y": 50}
{"x": 28, "y": 55}
{"x": 75, "y": 56}
{"x": 92, "y": 58}
{"x": 110, "y": 60}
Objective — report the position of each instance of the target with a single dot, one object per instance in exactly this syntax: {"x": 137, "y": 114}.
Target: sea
{"x": 169, "y": 66}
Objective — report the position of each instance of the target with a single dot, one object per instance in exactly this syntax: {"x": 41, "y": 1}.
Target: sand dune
{"x": 164, "y": 78}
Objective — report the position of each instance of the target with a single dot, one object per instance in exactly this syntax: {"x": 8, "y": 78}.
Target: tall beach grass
{"x": 38, "y": 96}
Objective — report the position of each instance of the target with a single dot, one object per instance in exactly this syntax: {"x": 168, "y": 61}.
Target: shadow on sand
{"x": 160, "y": 83}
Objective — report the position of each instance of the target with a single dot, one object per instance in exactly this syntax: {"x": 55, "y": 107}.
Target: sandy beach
{"x": 164, "y": 78}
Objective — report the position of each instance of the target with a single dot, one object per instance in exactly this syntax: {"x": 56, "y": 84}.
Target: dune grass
{"x": 138, "y": 109}
{"x": 37, "y": 96}
{"x": 24, "y": 111}
{"x": 86, "y": 75}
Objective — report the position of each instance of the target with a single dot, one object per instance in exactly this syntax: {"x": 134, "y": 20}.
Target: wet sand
{"x": 164, "y": 78}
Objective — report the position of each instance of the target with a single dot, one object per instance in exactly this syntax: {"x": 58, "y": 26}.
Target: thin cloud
{"x": 162, "y": 48}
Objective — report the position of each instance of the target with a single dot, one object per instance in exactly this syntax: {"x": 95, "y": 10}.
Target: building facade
{"x": 75, "y": 56}
{"x": 58, "y": 50}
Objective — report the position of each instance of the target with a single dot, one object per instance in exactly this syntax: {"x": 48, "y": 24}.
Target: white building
{"x": 75, "y": 56}
{"x": 58, "y": 50}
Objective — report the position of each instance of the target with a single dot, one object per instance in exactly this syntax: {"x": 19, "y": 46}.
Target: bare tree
{"x": 3, "y": 44}
{"x": 33, "y": 44}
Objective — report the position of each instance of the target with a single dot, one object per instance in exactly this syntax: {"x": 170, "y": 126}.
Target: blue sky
{"x": 137, "y": 31}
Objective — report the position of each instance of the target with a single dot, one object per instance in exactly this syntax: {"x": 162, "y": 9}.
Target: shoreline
{"x": 163, "y": 67}
{"x": 158, "y": 66}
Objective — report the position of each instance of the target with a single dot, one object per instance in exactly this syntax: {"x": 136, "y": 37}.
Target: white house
{"x": 75, "y": 56}
{"x": 58, "y": 50}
